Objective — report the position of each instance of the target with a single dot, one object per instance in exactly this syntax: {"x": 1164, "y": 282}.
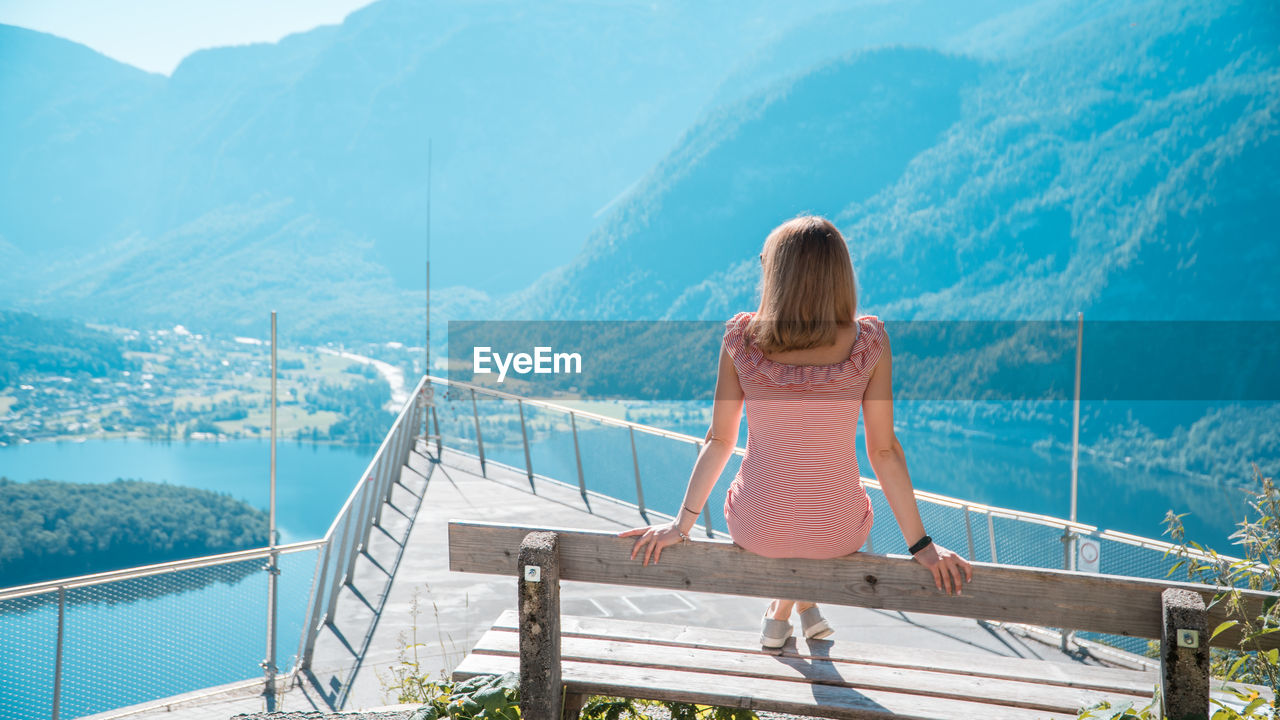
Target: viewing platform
{"x": 406, "y": 561}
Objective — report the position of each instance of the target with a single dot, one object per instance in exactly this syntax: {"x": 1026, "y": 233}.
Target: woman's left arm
{"x": 722, "y": 438}
{"x": 889, "y": 462}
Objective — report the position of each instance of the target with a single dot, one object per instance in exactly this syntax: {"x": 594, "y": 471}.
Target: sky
{"x": 156, "y": 34}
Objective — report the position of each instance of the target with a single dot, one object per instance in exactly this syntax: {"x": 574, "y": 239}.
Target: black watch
{"x": 921, "y": 544}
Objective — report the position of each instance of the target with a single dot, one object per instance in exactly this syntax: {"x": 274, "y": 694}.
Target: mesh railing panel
{"x": 132, "y": 641}
{"x": 1120, "y": 558}
{"x": 28, "y": 645}
{"x": 1020, "y": 542}
{"x": 294, "y": 587}
{"x": 136, "y": 640}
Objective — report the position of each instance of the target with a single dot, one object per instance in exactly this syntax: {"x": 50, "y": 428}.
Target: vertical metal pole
{"x": 524, "y": 435}
{"x": 1075, "y": 432}
{"x": 435, "y": 422}
{"x": 306, "y": 643}
{"x": 577, "y": 456}
{"x": 991, "y": 536}
{"x": 273, "y": 566}
{"x": 426, "y": 309}
{"x": 359, "y": 513}
{"x": 335, "y": 583}
{"x": 968, "y": 531}
{"x": 387, "y": 481}
{"x": 419, "y": 423}
{"x": 475, "y": 413}
{"x": 635, "y": 463}
{"x": 57, "y": 662}
{"x": 1069, "y": 535}
{"x": 384, "y": 483}
{"x": 335, "y": 580}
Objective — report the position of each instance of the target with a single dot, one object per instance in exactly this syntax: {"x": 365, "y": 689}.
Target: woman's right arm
{"x": 889, "y": 463}
{"x": 722, "y": 438}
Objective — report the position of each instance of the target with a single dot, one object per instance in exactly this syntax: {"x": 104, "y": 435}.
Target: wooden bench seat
{"x": 840, "y": 679}
{"x": 565, "y": 658}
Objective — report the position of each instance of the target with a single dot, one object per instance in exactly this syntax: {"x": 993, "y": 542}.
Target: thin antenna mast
{"x": 273, "y": 560}
{"x": 426, "y": 347}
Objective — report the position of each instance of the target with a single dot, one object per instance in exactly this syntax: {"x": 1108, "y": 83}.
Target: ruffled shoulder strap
{"x": 736, "y": 342}
{"x": 870, "y": 343}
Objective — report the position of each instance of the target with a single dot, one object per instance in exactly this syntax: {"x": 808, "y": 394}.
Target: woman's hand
{"x": 948, "y": 568}
{"x": 653, "y": 539}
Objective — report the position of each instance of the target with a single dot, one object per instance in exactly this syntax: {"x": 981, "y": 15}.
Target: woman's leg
{"x": 780, "y": 609}
{"x": 802, "y": 606}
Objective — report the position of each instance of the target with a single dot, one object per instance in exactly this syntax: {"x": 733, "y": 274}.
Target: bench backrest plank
{"x": 1054, "y": 598}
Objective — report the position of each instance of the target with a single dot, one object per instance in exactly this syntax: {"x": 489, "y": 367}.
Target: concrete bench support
{"x": 1184, "y": 656}
{"x": 539, "y": 607}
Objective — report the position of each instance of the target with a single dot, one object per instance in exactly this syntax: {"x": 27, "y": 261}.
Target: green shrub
{"x": 486, "y": 697}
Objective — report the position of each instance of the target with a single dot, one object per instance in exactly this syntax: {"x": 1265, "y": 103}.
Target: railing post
{"x": 400, "y": 449}
{"x": 1184, "y": 656}
{"x": 635, "y": 463}
{"x": 524, "y": 435}
{"x": 475, "y": 413}
{"x": 386, "y": 482}
{"x": 991, "y": 536}
{"x": 968, "y": 532}
{"x": 57, "y": 662}
{"x": 373, "y": 504}
{"x": 539, "y": 606}
{"x": 408, "y": 439}
{"x": 335, "y": 582}
{"x": 435, "y": 422}
{"x": 577, "y": 457}
{"x": 358, "y": 513}
{"x": 314, "y": 611}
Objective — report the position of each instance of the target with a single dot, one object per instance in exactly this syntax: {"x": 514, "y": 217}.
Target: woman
{"x": 805, "y": 365}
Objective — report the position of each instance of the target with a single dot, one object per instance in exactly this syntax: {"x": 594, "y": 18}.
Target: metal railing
{"x": 348, "y": 534}
{"x": 95, "y": 643}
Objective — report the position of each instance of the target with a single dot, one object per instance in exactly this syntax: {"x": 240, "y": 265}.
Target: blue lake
{"x": 312, "y": 481}
{"x": 123, "y": 639}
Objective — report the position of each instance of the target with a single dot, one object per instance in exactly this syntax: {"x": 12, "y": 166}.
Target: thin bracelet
{"x": 695, "y": 512}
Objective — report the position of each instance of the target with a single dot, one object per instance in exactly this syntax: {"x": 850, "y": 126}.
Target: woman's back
{"x": 798, "y": 492}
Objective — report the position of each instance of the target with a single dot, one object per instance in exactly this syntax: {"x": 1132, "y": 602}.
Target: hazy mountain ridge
{"x": 538, "y": 119}
{"x": 1117, "y": 165}
{"x": 1098, "y": 157}
{"x": 810, "y": 144}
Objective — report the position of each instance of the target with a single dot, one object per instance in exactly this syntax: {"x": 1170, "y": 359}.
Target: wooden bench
{"x": 563, "y": 659}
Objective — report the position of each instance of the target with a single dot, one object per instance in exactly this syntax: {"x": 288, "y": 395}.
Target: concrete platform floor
{"x": 404, "y": 603}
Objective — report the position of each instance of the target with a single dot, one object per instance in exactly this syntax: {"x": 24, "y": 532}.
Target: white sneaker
{"x": 815, "y": 626}
{"x": 774, "y": 633}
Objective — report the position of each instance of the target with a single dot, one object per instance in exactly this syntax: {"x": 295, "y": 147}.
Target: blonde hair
{"x": 807, "y": 286}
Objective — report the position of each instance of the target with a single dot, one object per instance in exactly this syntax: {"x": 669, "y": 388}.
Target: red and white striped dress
{"x": 799, "y": 493}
